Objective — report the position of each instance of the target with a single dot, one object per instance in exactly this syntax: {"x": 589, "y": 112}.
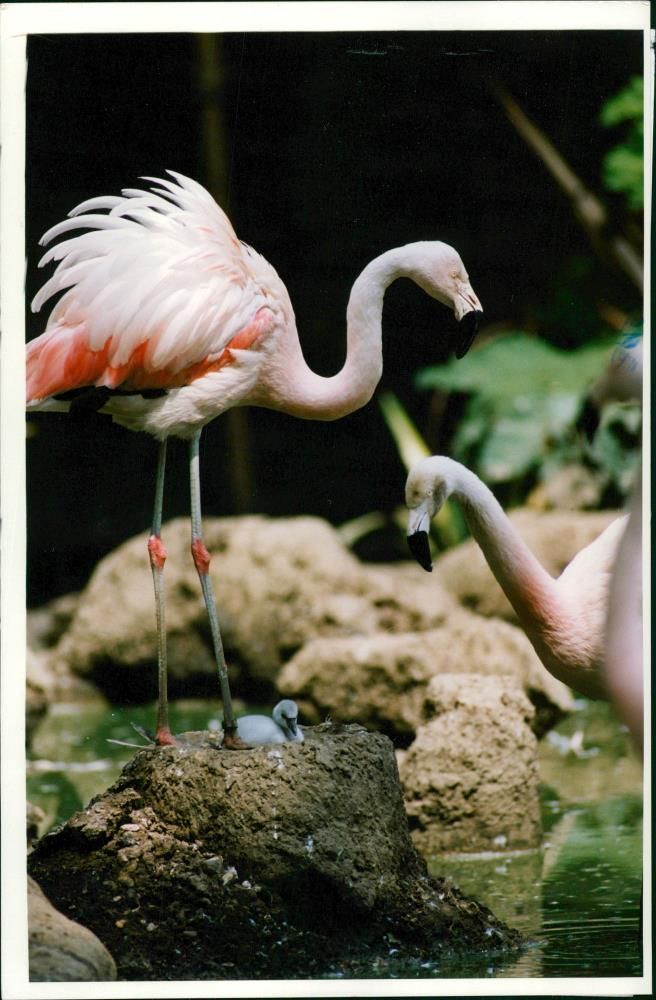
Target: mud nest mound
{"x": 274, "y": 862}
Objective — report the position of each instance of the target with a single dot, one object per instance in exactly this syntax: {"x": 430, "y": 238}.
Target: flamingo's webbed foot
{"x": 165, "y": 738}
{"x": 231, "y": 741}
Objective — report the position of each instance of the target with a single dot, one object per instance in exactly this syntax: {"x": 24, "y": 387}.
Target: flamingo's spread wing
{"x": 155, "y": 293}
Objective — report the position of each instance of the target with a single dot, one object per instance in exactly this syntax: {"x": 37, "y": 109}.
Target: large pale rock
{"x": 34, "y": 817}
{"x": 50, "y": 679}
{"x": 380, "y": 680}
{"x": 278, "y": 582}
{"x": 275, "y": 862}
{"x": 47, "y": 623}
{"x": 61, "y": 950}
{"x": 36, "y": 699}
{"x": 471, "y": 776}
{"x": 571, "y": 487}
{"x": 553, "y": 536}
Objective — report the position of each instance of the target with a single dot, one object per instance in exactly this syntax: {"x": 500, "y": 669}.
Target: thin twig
{"x": 589, "y": 210}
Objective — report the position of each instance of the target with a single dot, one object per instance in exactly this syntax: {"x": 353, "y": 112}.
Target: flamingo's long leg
{"x": 157, "y": 553}
{"x": 202, "y": 562}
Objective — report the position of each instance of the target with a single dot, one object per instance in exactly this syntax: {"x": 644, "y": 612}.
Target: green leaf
{"x": 524, "y": 398}
{"x": 623, "y": 172}
{"x": 409, "y": 442}
{"x": 511, "y": 449}
{"x": 517, "y": 441}
{"x": 517, "y": 365}
{"x": 627, "y": 105}
{"x": 623, "y": 166}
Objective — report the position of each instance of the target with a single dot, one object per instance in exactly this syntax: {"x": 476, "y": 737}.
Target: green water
{"x": 577, "y": 898}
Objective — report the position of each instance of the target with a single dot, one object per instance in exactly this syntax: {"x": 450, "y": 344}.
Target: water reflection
{"x": 579, "y": 898}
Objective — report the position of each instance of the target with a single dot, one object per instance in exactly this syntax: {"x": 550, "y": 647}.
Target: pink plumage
{"x": 155, "y": 294}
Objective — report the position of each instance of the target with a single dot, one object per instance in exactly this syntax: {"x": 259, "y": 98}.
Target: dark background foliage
{"x": 337, "y": 146}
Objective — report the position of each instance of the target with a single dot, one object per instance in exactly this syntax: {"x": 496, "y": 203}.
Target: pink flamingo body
{"x": 564, "y": 618}
{"x": 623, "y": 661}
{"x": 167, "y": 320}
{"x": 623, "y": 636}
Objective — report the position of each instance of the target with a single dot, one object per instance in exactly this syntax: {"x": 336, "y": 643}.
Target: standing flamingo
{"x": 168, "y": 320}
{"x": 564, "y": 618}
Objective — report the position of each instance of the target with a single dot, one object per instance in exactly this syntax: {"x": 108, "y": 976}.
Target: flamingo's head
{"x": 428, "y": 485}
{"x": 438, "y": 269}
{"x": 286, "y": 715}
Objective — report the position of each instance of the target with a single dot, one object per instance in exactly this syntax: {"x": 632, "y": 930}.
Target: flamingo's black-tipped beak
{"x": 418, "y": 545}
{"x": 468, "y": 327}
{"x": 292, "y": 725}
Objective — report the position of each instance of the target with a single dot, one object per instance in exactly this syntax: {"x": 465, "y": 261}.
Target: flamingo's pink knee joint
{"x": 165, "y": 738}
{"x": 201, "y": 555}
{"x": 156, "y": 551}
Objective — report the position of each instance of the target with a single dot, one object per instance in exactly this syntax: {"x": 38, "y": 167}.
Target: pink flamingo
{"x": 623, "y": 660}
{"x": 168, "y": 319}
{"x": 564, "y": 618}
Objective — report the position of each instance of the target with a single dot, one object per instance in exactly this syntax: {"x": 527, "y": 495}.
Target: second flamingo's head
{"x": 429, "y": 484}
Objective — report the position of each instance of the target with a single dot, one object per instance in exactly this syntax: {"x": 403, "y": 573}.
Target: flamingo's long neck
{"x": 531, "y": 590}
{"x": 296, "y": 389}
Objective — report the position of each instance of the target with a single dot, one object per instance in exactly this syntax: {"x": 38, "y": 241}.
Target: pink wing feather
{"x": 154, "y": 294}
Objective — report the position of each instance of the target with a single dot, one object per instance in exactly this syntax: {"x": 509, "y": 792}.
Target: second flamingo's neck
{"x": 531, "y": 590}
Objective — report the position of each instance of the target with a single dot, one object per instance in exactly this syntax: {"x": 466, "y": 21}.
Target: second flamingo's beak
{"x": 418, "y": 545}
{"x": 418, "y": 527}
{"x": 467, "y": 329}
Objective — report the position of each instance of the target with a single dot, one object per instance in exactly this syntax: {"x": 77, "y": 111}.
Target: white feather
{"x": 160, "y": 266}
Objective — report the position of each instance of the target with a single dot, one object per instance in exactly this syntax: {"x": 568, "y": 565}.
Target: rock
{"x": 278, "y": 582}
{"x": 554, "y": 537}
{"x": 380, "y": 680}
{"x": 47, "y": 623}
{"x": 34, "y": 818}
{"x": 36, "y": 699}
{"x": 275, "y": 862}
{"x": 50, "y": 680}
{"x": 571, "y": 487}
{"x": 471, "y": 776}
{"x": 60, "y": 950}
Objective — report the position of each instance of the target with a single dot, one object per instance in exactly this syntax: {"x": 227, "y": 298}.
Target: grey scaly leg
{"x": 202, "y": 562}
{"x": 157, "y": 553}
